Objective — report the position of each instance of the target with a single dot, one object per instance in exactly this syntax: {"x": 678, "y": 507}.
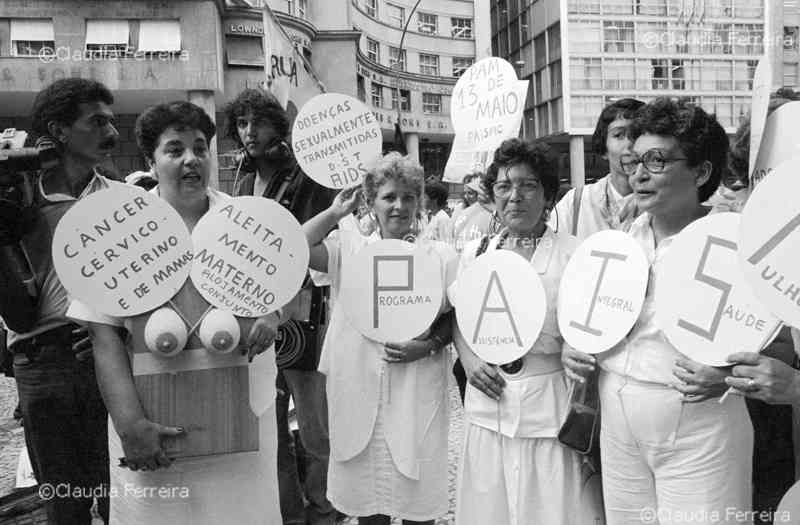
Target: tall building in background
{"x": 148, "y": 52}
{"x": 579, "y": 55}
{"x": 439, "y": 46}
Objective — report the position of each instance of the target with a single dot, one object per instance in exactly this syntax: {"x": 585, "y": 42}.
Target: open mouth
{"x": 191, "y": 177}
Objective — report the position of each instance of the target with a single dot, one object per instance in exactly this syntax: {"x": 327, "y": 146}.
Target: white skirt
{"x": 522, "y": 481}
{"x": 370, "y": 483}
{"x": 204, "y": 490}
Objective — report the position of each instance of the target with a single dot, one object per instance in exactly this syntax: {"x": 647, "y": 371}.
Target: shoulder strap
{"x": 576, "y": 209}
{"x": 482, "y": 246}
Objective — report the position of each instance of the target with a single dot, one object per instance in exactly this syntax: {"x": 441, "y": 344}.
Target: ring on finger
{"x": 751, "y": 384}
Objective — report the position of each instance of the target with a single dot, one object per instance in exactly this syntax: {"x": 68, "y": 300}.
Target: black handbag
{"x": 581, "y": 428}
{"x": 298, "y": 343}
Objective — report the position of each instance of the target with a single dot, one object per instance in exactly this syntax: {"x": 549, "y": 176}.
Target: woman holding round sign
{"x": 513, "y": 469}
{"x": 382, "y": 355}
{"x": 177, "y": 393}
{"x": 669, "y": 449}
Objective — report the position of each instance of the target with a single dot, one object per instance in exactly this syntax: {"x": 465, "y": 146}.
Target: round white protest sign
{"x": 500, "y": 306}
{"x": 392, "y": 290}
{"x": 778, "y": 141}
{"x": 122, "y": 251}
{"x": 703, "y": 304}
{"x": 788, "y": 512}
{"x": 602, "y": 291}
{"x": 769, "y": 238}
{"x": 483, "y": 93}
{"x": 336, "y": 138}
{"x": 251, "y": 256}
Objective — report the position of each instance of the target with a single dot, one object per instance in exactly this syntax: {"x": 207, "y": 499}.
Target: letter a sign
{"x": 500, "y": 306}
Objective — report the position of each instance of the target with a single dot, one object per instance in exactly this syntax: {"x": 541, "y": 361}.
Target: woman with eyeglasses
{"x": 670, "y": 452}
{"x": 513, "y": 469}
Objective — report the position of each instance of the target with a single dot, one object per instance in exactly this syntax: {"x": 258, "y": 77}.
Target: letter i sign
{"x": 500, "y": 306}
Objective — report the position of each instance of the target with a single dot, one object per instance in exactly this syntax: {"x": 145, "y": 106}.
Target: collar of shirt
{"x": 215, "y": 197}
{"x": 542, "y": 255}
{"x": 97, "y": 182}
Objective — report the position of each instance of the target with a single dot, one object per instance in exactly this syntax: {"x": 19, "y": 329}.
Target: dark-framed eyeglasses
{"x": 654, "y": 161}
{"x": 503, "y": 189}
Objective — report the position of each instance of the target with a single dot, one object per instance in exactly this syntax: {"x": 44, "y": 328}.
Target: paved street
{"x": 12, "y": 440}
{"x": 11, "y": 437}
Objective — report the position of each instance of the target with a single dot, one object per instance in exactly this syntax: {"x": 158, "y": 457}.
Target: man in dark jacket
{"x": 267, "y": 168}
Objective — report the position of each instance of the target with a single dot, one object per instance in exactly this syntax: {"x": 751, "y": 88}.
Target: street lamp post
{"x": 397, "y": 66}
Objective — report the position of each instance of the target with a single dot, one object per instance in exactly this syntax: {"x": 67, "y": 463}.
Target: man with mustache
{"x": 64, "y": 416}
{"x": 260, "y": 126}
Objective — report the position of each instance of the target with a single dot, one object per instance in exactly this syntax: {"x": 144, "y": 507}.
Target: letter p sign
{"x": 377, "y": 287}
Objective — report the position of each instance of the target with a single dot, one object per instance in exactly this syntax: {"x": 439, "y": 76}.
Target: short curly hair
{"x": 699, "y": 135}
{"x": 437, "y": 192}
{"x": 536, "y": 155}
{"x": 264, "y": 105}
{"x": 625, "y": 108}
{"x": 59, "y": 102}
{"x": 180, "y": 114}
{"x": 393, "y": 166}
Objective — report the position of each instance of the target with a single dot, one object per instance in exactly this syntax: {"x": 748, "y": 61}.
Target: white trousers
{"x": 667, "y": 462}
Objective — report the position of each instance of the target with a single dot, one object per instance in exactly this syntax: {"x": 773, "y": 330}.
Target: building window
{"x": 373, "y": 50}
{"x": 749, "y": 8}
{"x": 541, "y": 120}
{"x": 461, "y": 27}
{"x": 361, "y": 88}
{"x": 586, "y": 73}
{"x": 584, "y": 111}
{"x": 371, "y": 7}
{"x": 397, "y": 59}
{"x": 431, "y": 103}
{"x": 790, "y": 38}
{"x": 405, "y": 99}
{"x": 160, "y": 35}
{"x": 722, "y": 108}
{"x": 554, "y": 42}
{"x": 660, "y": 73}
{"x": 719, "y": 8}
{"x": 715, "y": 42}
{"x": 427, "y": 23}
{"x": 302, "y": 8}
{"x": 513, "y": 35}
{"x": 539, "y": 51}
{"x": 677, "y": 75}
{"x": 717, "y": 75}
{"x": 743, "y": 73}
{"x": 524, "y": 26}
{"x": 619, "y": 73}
{"x": 618, "y": 7}
{"x": 29, "y": 37}
{"x": 651, "y": 7}
{"x": 461, "y": 64}
{"x": 396, "y": 15}
{"x": 556, "y": 112}
{"x": 538, "y": 90}
{"x": 618, "y": 37}
{"x": 555, "y": 79}
{"x": 429, "y": 64}
{"x": 377, "y": 95}
{"x": 653, "y": 37}
{"x": 748, "y": 39}
{"x": 585, "y": 36}
{"x": 244, "y": 51}
{"x": 584, "y": 7}
{"x": 107, "y": 36}
{"x": 790, "y": 74}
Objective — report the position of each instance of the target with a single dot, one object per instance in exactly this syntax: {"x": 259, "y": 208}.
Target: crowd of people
{"x": 373, "y": 416}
